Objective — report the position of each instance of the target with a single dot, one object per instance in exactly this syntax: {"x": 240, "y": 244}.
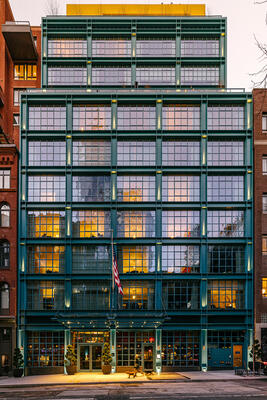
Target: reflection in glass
{"x": 227, "y": 118}
{"x": 46, "y": 188}
{"x": 91, "y": 223}
{"x": 136, "y": 117}
{"x": 136, "y": 224}
{"x": 90, "y": 188}
{"x": 225, "y": 153}
{"x": 90, "y": 259}
{"x": 109, "y": 47}
{"x": 225, "y": 223}
{"x": 177, "y": 188}
{"x": 91, "y": 117}
{"x": 136, "y": 153}
{"x": 180, "y": 259}
{"x": 47, "y": 153}
{"x": 180, "y": 153}
{"x": 92, "y": 152}
{"x": 136, "y": 259}
{"x": 111, "y": 76}
{"x": 180, "y": 117}
{"x": 225, "y": 188}
{"x": 204, "y": 47}
{"x": 90, "y": 295}
{"x": 180, "y": 295}
{"x": 182, "y": 223}
{"x": 46, "y": 259}
{"x": 136, "y": 188}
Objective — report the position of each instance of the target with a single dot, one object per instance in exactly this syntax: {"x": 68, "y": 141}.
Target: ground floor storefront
{"x": 158, "y": 349}
{"x": 7, "y": 344}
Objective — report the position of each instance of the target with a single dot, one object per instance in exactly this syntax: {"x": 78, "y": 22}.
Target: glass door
{"x": 84, "y": 359}
{"x": 96, "y": 357}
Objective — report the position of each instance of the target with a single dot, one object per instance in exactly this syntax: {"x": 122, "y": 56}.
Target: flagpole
{"x": 112, "y": 269}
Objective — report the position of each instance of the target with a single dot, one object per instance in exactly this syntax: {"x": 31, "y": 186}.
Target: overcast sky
{"x": 246, "y": 20}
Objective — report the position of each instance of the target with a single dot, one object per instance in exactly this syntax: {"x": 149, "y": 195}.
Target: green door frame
{"x": 90, "y": 345}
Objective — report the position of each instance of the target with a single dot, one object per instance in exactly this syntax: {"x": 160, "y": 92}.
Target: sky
{"x": 246, "y": 22}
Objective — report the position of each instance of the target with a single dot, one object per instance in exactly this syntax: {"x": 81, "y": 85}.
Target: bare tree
{"x": 259, "y": 78}
{"x": 52, "y": 7}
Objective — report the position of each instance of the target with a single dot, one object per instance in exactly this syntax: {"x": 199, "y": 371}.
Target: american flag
{"x": 115, "y": 271}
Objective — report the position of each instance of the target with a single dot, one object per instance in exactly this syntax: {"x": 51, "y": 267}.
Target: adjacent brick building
{"x": 19, "y": 69}
{"x": 260, "y": 215}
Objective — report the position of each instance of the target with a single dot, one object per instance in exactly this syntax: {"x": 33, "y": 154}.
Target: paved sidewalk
{"x": 99, "y": 378}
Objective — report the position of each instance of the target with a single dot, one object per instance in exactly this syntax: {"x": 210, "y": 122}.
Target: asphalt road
{"x": 242, "y": 390}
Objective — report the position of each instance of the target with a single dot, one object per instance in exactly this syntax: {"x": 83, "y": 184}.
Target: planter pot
{"x": 106, "y": 369}
{"x": 71, "y": 369}
{"x": 17, "y": 372}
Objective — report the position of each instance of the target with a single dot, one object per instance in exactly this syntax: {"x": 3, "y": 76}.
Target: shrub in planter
{"x": 70, "y": 360}
{"x": 106, "y": 358}
{"x": 256, "y": 353}
{"x": 18, "y": 363}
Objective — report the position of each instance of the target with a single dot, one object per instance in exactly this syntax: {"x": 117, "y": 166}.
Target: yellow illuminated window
{"x": 225, "y": 295}
{"x": 25, "y": 72}
{"x": 264, "y": 287}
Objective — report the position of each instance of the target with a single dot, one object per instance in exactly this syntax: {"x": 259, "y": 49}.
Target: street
{"x": 253, "y": 389}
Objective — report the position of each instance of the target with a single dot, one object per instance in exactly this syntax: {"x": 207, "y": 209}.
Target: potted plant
{"x": 70, "y": 360}
{"x": 256, "y": 354}
{"x": 18, "y": 363}
{"x": 106, "y": 358}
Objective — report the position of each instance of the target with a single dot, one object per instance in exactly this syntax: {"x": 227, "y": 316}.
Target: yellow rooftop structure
{"x": 153, "y": 10}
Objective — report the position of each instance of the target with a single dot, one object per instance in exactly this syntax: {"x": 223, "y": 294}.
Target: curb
{"x": 132, "y": 382}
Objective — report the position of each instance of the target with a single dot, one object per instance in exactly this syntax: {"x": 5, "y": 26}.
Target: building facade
{"x": 19, "y": 69}
{"x": 134, "y": 141}
{"x": 260, "y": 232}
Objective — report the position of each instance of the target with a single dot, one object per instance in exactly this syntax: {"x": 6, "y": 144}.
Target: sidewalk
{"x": 99, "y": 378}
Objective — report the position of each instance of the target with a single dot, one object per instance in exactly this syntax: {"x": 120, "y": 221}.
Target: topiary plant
{"x": 106, "y": 356}
{"x": 18, "y": 361}
{"x": 256, "y": 351}
{"x": 70, "y": 356}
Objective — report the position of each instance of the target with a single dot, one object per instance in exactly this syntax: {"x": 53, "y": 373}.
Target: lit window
{"x": 16, "y": 119}
{"x": 264, "y": 165}
{"x": 225, "y": 295}
{"x": 264, "y": 245}
{"x": 264, "y": 123}
{"x": 25, "y": 72}
{"x": 264, "y": 287}
{"x": 4, "y": 179}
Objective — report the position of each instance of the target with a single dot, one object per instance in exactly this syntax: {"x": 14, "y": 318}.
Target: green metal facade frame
{"x": 132, "y": 28}
{"x": 202, "y": 319}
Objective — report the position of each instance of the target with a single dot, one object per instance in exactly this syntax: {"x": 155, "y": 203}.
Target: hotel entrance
{"x": 89, "y": 357}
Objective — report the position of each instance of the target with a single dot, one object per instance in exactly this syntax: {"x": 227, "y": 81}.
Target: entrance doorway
{"x": 148, "y": 356}
{"x": 89, "y": 357}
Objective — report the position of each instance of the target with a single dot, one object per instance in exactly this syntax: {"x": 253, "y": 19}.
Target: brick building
{"x": 260, "y": 215}
{"x": 19, "y": 69}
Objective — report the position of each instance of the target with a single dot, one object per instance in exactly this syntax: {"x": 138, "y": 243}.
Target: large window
{"x": 25, "y": 72}
{"x": 180, "y": 348}
{"x": 180, "y": 259}
{"x": 264, "y": 123}
{"x": 47, "y": 153}
{"x": 158, "y": 76}
{"x": 226, "y": 259}
{"x": 225, "y": 223}
{"x": 4, "y": 254}
{"x": 180, "y": 153}
{"x": 264, "y": 203}
{"x": 176, "y": 188}
{"x": 225, "y": 295}
{"x": 180, "y": 295}
{"x": 46, "y": 259}
{"x": 225, "y": 188}
{"x": 180, "y": 117}
{"x": 130, "y": 343}
{"x": 136, "y": 188}
{"x": 92, "y": 152}
{"x": 264, "y": 245}
{"x": 225, "y": 153}
{"x": 91, "y": 117}
{"x": 67, "y": 47}
{"x": 155, "y": 48}
{"x": 226, "y": 118}
{"x": 138, "y": 295}
{"x": 136, "y": 259}
{"x": 109, "y": 47}
{"x": 4, "y": 178}
{"x": 136, "y": 224}
{"x": 67, "y": 76}
{"x": 264, "y": 165}
{"x": 90, "y": 295}
{"x": 264, "y": 287}
{"x": 90, "y": 188}
{"x": 205, "y": 47}
{"x": 182, "y": 223}
{"x": 4, "y": 215}
{"x": 4, "y": 298}
{"x": 111, "y": 76}
{"x": 45, "y": 349}
{"x": 91, "y": 224}
{"x": 47, "y": 118}
{"x": 136, "y": 153}
{"x": 136, "y": 118}
{"x": 45, "y": 295}
{"x": 90, "y": 259}
{"x": 200, "y": 76}
{"x": 46, "y": 224}
{"x": 46, "y": 188}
